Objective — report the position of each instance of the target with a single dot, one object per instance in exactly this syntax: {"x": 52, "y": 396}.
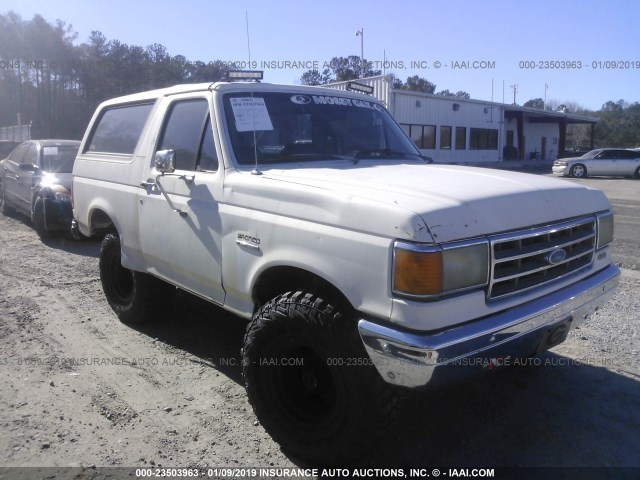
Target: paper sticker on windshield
{"x": 251, "y": 114}
{"x": 46, "y": 151}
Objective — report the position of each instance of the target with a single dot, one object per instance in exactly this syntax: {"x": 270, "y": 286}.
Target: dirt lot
{"x": 78, "y": 388}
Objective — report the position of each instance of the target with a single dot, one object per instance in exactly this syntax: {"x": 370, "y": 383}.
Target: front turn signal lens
{"x": 417, "y": 273}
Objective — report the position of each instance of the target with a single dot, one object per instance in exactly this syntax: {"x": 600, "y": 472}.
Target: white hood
{"x": 454, "y": 202}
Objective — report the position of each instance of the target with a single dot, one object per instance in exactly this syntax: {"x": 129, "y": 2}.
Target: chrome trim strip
{"x": 412, "y": 359}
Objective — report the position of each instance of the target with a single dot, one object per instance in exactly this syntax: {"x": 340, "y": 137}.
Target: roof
{"x": 531, "y": 112}
{"x": 227, "y": 86}
{"x": 54, "y": 142}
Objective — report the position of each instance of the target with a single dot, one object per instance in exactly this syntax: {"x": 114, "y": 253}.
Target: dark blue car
{"x": 35, "y": 179}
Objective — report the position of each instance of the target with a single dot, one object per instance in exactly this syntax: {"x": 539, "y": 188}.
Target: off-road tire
{"x": 636, "y": 175}
{"x": 135, "y": 297}
{"x": 38, "y": 218}
{"x": 310, "y": 381}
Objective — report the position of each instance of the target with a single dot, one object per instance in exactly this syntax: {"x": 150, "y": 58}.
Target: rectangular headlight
{"x": 605, "y": 229}
{"x": 433, "y": 270}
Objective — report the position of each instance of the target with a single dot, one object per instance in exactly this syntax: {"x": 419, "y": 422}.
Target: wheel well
{"x": 40, "y": 192}
{"x": 100, "y": 221}
{"x": 278, "y": 280}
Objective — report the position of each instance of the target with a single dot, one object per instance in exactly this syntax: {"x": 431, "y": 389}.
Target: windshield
{"x": 58, "y": 159}
{"x": 286, "y": 127}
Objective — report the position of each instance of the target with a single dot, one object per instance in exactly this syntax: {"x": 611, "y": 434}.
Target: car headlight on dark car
{"x": 62, "y": 196}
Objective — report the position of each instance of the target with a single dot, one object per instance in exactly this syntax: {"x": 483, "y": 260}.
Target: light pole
{"x": 360, "y": 33}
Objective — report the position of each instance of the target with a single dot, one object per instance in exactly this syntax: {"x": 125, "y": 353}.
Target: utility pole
{"x": 360, "y": 33}
{"x": 515, "y": 90}
{"x": 544, "y": 105}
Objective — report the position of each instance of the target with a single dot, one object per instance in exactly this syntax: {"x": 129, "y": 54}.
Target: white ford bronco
{"x": 361, "y": 268}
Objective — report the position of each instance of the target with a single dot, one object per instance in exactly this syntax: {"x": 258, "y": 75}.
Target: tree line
{"x": 56, "y": 85}
{"x": 618, "y": 123}
{"x": 341, "y": 69}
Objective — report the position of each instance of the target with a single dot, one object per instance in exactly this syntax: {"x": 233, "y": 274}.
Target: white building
{"x": 454, "y": 130}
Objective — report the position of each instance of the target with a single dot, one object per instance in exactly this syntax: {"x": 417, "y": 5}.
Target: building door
{"x": 543, "y": 148}
{"x": 509, "y": 138}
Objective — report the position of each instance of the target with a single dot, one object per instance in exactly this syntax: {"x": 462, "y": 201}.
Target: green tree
{"x": 535, "y": 103}
{"x": 314, "y": 77}
{"x": 619, "y": 125}
{"x": 416, "y": 84}
{"x": 458, "y": 94}
{"x": 339, "y": 69}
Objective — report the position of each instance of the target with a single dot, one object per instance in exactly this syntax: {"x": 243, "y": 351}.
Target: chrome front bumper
{"x": 430, "y": 359}
{"x": 560, "y": 170}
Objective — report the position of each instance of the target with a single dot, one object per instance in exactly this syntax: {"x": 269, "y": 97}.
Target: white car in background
{"x": 602, "y": 161}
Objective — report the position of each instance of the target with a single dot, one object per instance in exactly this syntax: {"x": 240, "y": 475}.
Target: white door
{"x": 605, "y": 163}
{"x": 179, "y": 212}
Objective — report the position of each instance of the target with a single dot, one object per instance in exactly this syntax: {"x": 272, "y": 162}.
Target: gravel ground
{"x": 79, "y": 388}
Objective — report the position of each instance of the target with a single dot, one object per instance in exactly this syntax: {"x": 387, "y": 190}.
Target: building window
{"x": 416, "y": 134}
{"x": 445, "y": 138}
{"x": 461, "y": 138}
{"x": 424, "y": 136}
{"x": 429, "y": 136}
{"x": 484, "y": 139}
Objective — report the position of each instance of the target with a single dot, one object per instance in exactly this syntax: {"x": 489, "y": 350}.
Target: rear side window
{"x": 118, "y": 129}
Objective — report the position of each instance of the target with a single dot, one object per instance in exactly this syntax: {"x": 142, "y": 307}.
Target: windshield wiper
{"x": 386, "y": 153}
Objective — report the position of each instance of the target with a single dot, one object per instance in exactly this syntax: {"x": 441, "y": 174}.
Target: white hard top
{"x": 234, "y": 86}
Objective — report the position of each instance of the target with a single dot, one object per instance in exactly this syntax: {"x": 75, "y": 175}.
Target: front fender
{"x": 355, "y": 263}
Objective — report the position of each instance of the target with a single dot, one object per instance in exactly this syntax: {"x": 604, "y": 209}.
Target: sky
{"x": 584, "y": 51}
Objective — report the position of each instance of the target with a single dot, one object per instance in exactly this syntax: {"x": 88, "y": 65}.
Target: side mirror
{"x": 165, "y": 161}
{"x": 29, "y": 167}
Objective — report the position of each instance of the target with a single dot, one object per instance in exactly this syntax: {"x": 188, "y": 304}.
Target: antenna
{"x": 255, "y": 170}
{"x": 246, "y": 14}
